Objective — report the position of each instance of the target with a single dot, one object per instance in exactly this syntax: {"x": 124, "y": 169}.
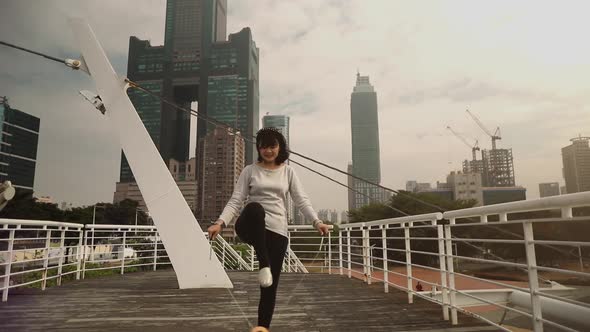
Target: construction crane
{"x": 473, "y": 147}
{"x": 495, "y": 136}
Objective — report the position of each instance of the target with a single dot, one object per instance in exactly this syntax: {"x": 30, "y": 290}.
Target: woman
{"x": 262, "y": 223}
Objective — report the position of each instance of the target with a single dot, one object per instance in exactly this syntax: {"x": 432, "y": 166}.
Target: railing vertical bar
{"x": 451, "y": 274}
{"x": 531, "y": 261}
{"x": 8, "y": 267}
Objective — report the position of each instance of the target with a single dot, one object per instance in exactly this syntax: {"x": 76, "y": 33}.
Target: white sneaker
{"x": 265, "y": 277}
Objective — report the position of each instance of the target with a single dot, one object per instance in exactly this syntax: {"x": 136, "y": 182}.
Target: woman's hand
{"x": 322, "y": 228}
{"x": 214, "y": 229}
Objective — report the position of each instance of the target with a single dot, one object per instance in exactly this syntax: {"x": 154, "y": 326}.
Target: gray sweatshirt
{"x": 270, "y": 188}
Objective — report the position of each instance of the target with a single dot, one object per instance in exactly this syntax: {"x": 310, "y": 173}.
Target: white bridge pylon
{"x": 185, "y": 243}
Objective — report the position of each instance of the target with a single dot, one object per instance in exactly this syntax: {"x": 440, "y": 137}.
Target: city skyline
{"x": 430, "y": 64}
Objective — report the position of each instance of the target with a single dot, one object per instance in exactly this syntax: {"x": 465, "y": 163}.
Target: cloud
{"x": 428, "y": 63}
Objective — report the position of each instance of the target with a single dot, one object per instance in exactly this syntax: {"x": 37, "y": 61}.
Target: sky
{"x": 522, "y": 66}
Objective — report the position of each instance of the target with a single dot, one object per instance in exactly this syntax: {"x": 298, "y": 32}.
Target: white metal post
{"x": 340, "y": 251}
{"x": 223, "y": 255}
{"x": 566, "y": 212}
{"x": 329, "y": 252}
{"x": 84, "y": 253}
{"x": 155, "y": 250}
{"x": 531, "y": 262}
{"x": 348, "y": 251}
{"x": 123, "y": 252}
{"x": 46, "y": 257}
{"x": 408, "y": 261}
{"x": 366, "y": 260}
{"x": 8, "y": 266}
{"x": 92, "y": 234}
{"x": 385, "y": 268}
{"x": 62, "y": 252}
{"x": 451, "y": 274}
{"x": 503, "y": 216}
{"x": 370, "y": 266}
{"x": 80, "y": 250}
{"x": 289, "y": 258}
{"x": 252, "y": 258}
{"x": 443, "y": 270}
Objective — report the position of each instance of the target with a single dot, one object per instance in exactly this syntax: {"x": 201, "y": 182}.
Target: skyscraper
{"x": 232, "y": 87}
{"x": 221, "y": 162}
{"x": 18, "y": 148}
{"x": 365, "y": 143}
{"x": 576, "y": 165}
{"x": 281, "y": 122}
{"x": 196, "y": 63}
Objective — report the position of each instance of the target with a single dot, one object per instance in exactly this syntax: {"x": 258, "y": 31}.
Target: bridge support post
{"x": 531, "y": 262}
{"x": 8, "y": 266}
{"x": 443, "y": 270}
{"x": 348, "y": 252}
{"x": 62, "y": 252}
{"x": 123, "y": 242}
{"x": 340, "y": 251}
{"x": 407, "y": 226}
{"x": 46, "y": 257}
{"x": 384, "y": 256}
{"x": 330, "y": 252}
{"x": 451, "y": 274}
{"x": 80, "y": 253}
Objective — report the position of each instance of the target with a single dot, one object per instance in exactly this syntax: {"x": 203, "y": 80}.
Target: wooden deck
{"x": 151, "y": 301}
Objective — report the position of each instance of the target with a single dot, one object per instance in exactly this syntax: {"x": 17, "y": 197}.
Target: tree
{"x": 30, "y": 209}
{"x": 411, "y": 204}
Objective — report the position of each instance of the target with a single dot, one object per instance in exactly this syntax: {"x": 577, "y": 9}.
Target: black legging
{"x": 270, "y": 248}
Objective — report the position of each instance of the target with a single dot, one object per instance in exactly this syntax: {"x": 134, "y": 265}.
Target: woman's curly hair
{"x": 270, "y": 136}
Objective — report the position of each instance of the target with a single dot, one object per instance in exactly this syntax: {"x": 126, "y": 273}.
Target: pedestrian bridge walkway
{"x": 151, "y": 301}
{"x": 509, "y": 266}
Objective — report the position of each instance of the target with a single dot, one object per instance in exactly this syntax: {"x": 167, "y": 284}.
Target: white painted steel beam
{"x": 185, "y": 243}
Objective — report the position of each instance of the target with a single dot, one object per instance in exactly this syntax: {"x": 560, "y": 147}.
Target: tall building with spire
{"x": 364, "y": 122}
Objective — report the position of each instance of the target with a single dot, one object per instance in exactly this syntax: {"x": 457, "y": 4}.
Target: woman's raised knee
{"x": 254, "y": 210}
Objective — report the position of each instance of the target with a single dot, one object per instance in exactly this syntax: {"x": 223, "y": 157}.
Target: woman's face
{"x": 270, "y": 153}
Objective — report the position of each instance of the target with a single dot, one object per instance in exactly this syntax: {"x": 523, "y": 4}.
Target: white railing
{"x": 230, "y": 257}
{"x": 307, "y": 251}
{"x": 45, "y": 252}
{"x": 125, "y": 248}
{"x": 462, "y": 259}
{"x": 33, "y": 251}
{"x": 293, "y": 263}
